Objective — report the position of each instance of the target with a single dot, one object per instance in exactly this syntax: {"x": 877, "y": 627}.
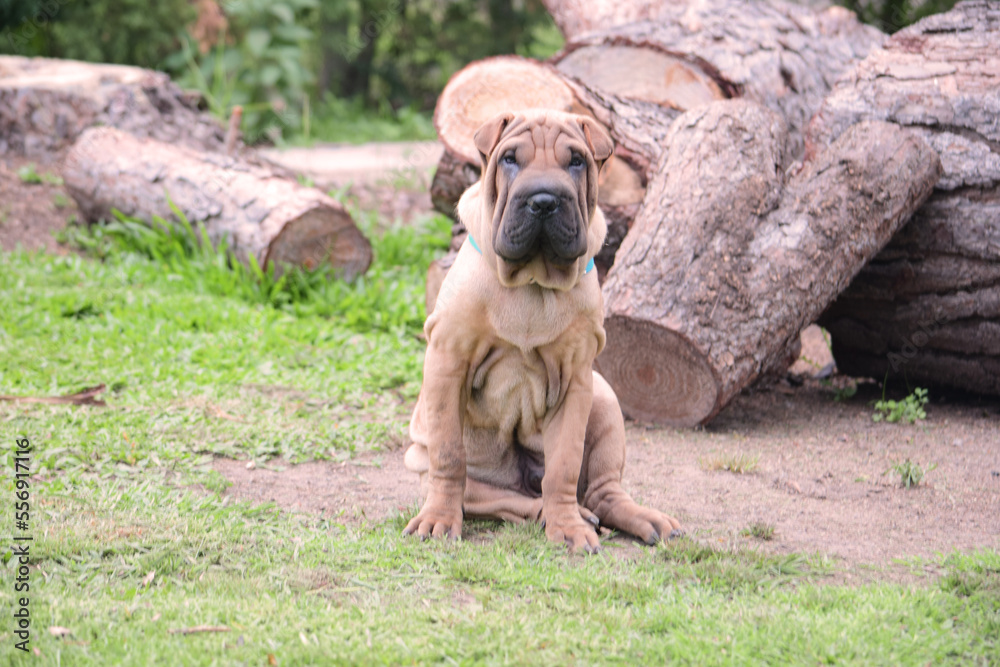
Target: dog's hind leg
{"x": 485, "y": 501}
{"x": 600, "y": 478}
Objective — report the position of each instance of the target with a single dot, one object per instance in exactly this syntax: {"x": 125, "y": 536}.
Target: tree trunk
{"x": 925, "y": 309}
{"x": 726, "y": 263}
{"x": 45, "y": 104}
{"x": 254, "y": 210}
{"x": 783, "y": 56}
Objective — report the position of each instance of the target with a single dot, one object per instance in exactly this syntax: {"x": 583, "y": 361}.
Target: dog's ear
{"x": 598, "y": 139}
{"x": 488, "y": 135}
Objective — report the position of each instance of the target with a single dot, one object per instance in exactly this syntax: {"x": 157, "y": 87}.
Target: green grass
{"x": 760, "y": 530}
{"x": 132, "y": 539}
{"x": 740, "y": 463}
{"x": 910, "y": 473}
{"x": 348, "y": 121}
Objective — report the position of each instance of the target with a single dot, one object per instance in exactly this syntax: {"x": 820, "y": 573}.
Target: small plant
{"x": 59, "y": 200}
{"x": 760, "y": 530}
{"x": 910, "y": 473}
{"x": 739, "y": 463}
{"x": 845, "y": 393}
{"x": 28, "y": 174}
{"x": 908, "y": 410}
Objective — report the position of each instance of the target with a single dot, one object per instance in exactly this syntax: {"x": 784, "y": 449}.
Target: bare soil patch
{"x": 820, "y": 480}
{"x": 32, "y": 213}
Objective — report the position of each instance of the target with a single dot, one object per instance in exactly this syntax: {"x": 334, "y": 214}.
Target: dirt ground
{"x": 820, "y": 481}
{"x": 31, "y": 213}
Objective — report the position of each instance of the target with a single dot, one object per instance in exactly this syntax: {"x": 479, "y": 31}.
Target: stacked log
{"x": 926, "y": 310}
{"x": 132, "y": 140}
{"x": 783, "y": 56}
{"x": 45, "y": 104}
{"x": 636, "y": 79}
{"x": 727, "y": 262}
{"x": 752, "y": 219}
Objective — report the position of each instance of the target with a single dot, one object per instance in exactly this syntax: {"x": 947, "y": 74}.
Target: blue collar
{"x": 590, "y": 264}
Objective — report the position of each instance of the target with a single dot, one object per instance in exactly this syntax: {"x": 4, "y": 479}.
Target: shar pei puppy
{"x": 512, "y": 422}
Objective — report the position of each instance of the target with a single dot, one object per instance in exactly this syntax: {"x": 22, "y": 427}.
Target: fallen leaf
{"x": 271, "y": 660}
{"x": 57, "y": 631}
{"x": 148, "y": 579}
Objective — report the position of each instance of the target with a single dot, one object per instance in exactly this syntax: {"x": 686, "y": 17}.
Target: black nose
{"x": 543, "y": 204}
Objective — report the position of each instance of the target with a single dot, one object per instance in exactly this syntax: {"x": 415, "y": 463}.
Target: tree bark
{"x": 783, "y": 56}
{"x": 253, "y": 209}
{"x": 941, "y": 78}
{"x": 45, "y": 104}
{"x": 726, "y": 263}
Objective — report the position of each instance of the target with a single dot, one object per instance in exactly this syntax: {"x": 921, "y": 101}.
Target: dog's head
{"x": 534, "y": 210}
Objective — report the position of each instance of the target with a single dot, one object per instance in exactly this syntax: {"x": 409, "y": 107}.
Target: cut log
{"x": 783, "y": 56}
{"x": 940, "y": 77}
{"x": 452, "y": 177}
{"x": 642, "y": 73}
{"x": 578, "y": 17}
{"x": 726, "y": 263}
{"x": 45, "y": 104}
{"x": 256, "y": 211}
{"x": 488, "y": 87}
{"x": 511, "y": 83}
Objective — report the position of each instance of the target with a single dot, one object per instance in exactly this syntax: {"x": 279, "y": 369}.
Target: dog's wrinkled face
{"x": 539, "y": 195}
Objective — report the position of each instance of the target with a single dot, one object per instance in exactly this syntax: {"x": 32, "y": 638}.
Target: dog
{"x": 512, "y": 422}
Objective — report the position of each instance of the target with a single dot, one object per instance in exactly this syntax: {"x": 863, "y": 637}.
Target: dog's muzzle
{"x": 542, "y": 221}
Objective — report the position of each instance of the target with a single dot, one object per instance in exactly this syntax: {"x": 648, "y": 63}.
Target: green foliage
{"x": 130, "y": 32}
{"x": 385, "y": 298}
{"x": 259, "y": 65}
{"x": 910, "y": 473}
{"x": 908, "y": 410}
{"x": 350, "y": 121}
{"x": 892, "y": 15}
{"x": 29, "y": 174}
{"x": 400, "y": 54}
{"x": 845, "y": 393}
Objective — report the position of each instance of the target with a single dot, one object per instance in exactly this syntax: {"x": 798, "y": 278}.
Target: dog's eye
{"x": 509, "y": 158}
{"x": 576, "y": 161}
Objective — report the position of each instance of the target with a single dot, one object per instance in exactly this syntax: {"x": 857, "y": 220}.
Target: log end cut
{"x": 489, "y": 87}
{"x": 322, "y": 234}
{"x": 657, "y": 374}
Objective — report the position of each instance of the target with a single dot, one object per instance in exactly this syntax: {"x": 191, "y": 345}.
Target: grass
{"x": 133, "y": 540}
{"x": 348, "y": 121}
{"x": 760, "y": 530}
{"x": 740, "y": 463}
{"x": 910, "y": 473}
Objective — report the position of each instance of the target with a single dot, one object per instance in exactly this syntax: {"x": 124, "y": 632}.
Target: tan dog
{"x": 512, "y": 423}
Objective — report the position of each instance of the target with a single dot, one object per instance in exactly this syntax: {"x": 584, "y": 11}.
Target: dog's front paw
{"x": 436, "y": 521}
{"x": 573, "y": 530}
